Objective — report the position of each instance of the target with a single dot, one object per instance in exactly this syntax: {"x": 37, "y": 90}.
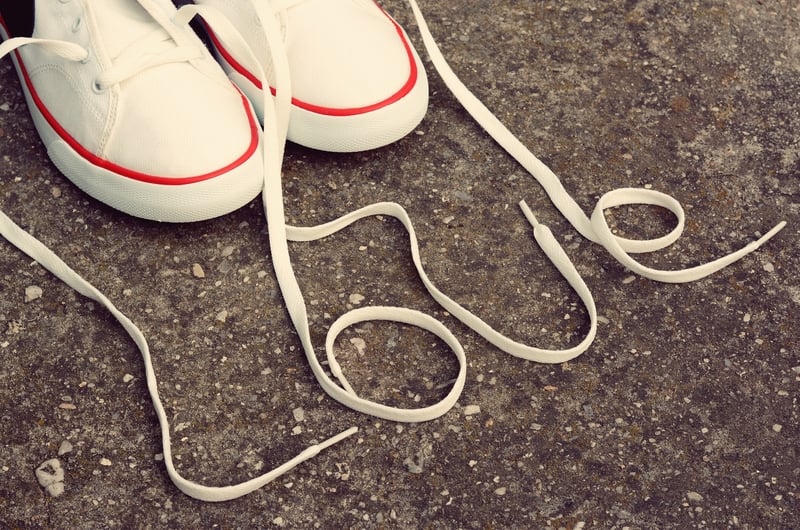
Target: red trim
{"x": 331, "y": 111}
{"x": 131, "y": 173}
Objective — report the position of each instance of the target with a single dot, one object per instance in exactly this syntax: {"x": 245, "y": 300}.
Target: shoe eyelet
{"x": 88, "y": 56}
{"x": 77, "y": 25}
{"x": 96, "y": 88}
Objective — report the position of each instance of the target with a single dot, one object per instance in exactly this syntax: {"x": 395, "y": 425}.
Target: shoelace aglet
{"x": 769, "y": 235}
{"x": 338, "y": 438}
{"x": 314, "y": 450}
{"x": 545, "y": 238}
{"x": 528, "y": 213}
{"x": 338, "y": 373}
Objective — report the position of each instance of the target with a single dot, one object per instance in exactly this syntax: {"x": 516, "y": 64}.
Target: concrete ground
{"x": 682, "y": 414}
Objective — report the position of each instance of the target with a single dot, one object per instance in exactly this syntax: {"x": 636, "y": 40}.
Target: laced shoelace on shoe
{"x": 279, "y": 6}
{"x": 137, "y": 58}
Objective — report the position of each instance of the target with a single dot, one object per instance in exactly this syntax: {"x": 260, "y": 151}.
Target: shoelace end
{"x": 528, "y": 213}
{"x": 769, "y": 235}
{"x": 314, "y": 450}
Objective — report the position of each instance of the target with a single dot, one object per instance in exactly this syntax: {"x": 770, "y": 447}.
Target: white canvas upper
{"x": 357, "y": 82}
{"x": 146, "y": 122}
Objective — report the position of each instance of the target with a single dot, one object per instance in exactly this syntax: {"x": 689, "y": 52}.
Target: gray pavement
{"x": 682, "y": 414}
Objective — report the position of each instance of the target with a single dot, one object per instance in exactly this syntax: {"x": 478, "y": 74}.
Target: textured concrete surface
{"x": 682, "y": 414}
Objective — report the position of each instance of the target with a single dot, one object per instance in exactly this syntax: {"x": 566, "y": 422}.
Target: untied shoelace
{"x": 274, "y": 138}
{"x": 49, "y": 260}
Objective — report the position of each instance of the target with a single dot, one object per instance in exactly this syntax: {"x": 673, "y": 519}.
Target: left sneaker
{"x": 357, "y": 82}
{"x": 133, "y": 108}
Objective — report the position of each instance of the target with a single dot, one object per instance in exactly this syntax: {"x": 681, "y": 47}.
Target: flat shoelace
{"x": 68, "y": 50}
{"x": 139, "y": 57}
{"x": 595, "y": 228}
{"x": 278, "y": 6}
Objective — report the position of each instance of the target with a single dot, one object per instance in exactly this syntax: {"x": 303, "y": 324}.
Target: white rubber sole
{"x": 186, "y": 200}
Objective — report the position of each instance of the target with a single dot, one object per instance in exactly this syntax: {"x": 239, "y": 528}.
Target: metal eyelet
{"x": 96, "y": 88}
{"x": 76, "y": 25}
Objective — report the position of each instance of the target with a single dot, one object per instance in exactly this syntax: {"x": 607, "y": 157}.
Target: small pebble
{"x": 299, "y": 414}
{"x": 356, "y": 298}
{"x": 51, "y": 477}
{"x": 127, "y": 378}
{"x": 414, "y": 467}
{"x": 105, "y": 462}
{"x": 32, "y": 293}
{"x": 197, "y": 271}
{"x": 55, "y": 489}
{"x": 694, "y": 496}
{"x": 500, "y": 491}
{"x": 64, "y": 448}
{"x": 360, "y": 345}
{"x": 471, "y": 410}
{"x": 777, "y": 427}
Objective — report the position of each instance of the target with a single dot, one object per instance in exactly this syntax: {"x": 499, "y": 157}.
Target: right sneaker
{"x": 133, "y": 108}
{"x": 357, "y": 82}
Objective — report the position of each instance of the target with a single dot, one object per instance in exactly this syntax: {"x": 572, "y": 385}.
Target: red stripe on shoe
{"x": 132, "y": 173}
{"x": 407, "y": 87}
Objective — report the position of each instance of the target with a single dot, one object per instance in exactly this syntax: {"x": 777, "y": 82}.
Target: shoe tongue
{"x": 120, "y": 23}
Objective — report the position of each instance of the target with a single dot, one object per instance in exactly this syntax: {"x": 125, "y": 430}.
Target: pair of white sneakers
{"x": 135, "y": 110}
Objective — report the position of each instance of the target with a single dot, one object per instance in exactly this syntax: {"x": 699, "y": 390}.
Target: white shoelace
{"x": 49, "y": 260}
{"x": 595, "y": 229}
{"x": 138, "y": 57}
{"x": 277, "y": 112}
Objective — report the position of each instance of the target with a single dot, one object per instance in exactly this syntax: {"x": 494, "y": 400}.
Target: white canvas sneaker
{"x": 133, "y": 108}
{"x": 357, "y": 82}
